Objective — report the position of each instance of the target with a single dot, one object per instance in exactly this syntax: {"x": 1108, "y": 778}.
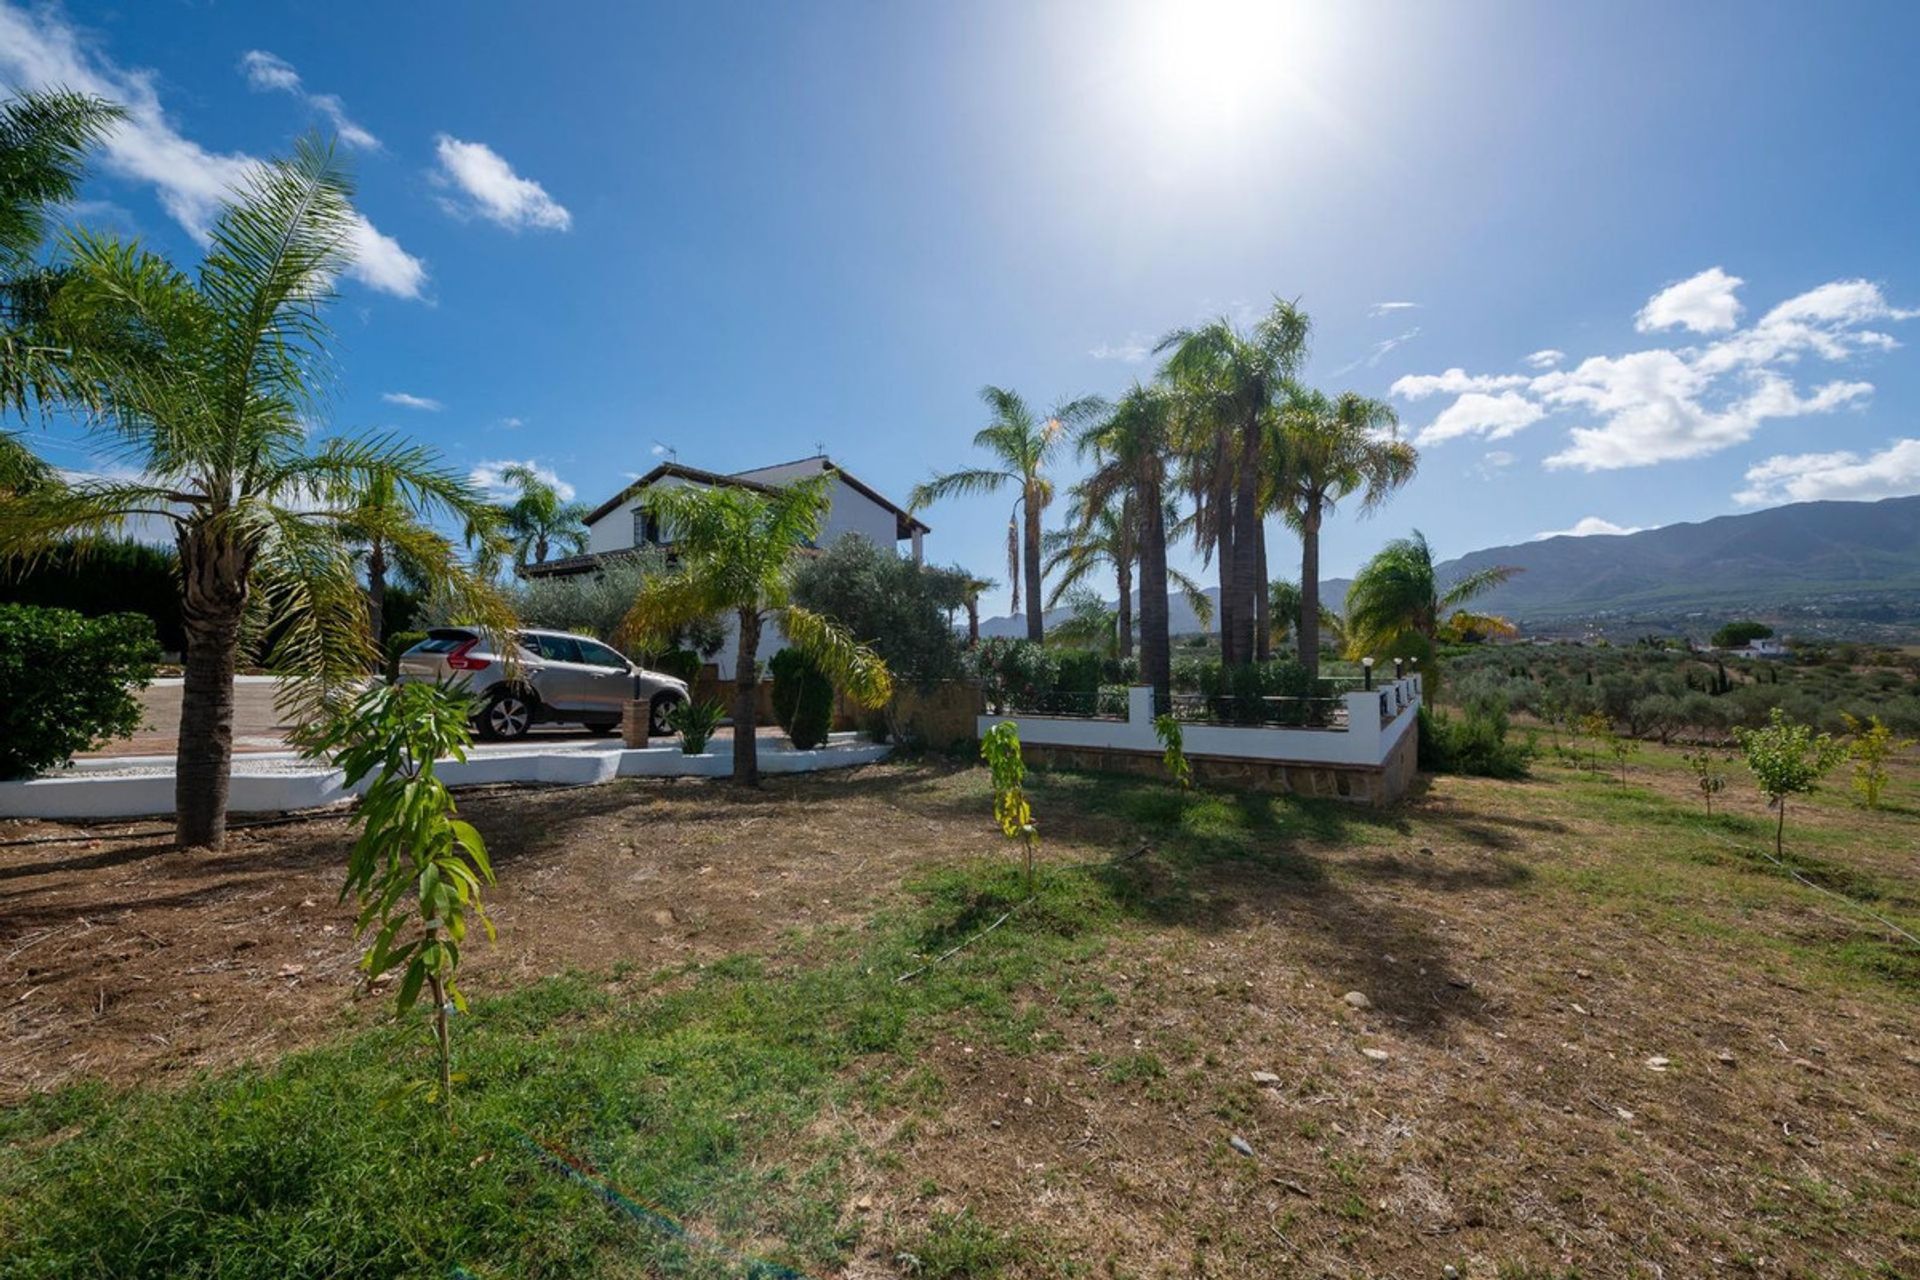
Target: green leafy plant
{"x": 1000, "y": 746}
{"x": 695, "y": 723}
{"x": 412, "y": 844}
{"x": 398, "y": 643}
{"x": 802, "y": 699}
{"x": 70, "y": 682}
{"x": 1870, "y": 744}
{"x": 1173, "y": 749}
{"x": 1598, "y": 726}
{"x": 1707, "y": 774}
{"x": 1787, "y": 759}
{"x": 1622, "y": 749}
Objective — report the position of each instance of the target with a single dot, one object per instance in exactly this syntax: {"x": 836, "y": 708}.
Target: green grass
{"x": 321, "y": 1166}
{"x": 696, "y": 1095}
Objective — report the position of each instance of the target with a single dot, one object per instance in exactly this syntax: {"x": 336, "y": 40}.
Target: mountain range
{"x": 1832, "y": 568}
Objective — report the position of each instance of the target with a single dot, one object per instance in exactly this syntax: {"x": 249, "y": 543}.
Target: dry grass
{"x": 1617, "y": 1041}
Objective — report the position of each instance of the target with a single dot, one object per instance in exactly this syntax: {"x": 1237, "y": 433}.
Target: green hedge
{"x": 70, "y": 683}
{"x": 102, "y": 578}
{"x": 802, "y": 699}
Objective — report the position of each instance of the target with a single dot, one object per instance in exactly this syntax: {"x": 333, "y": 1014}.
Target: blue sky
{"x": 741, "y": 232}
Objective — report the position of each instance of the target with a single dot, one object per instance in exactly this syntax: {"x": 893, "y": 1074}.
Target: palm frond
{"x": 44, "y": 139}
{"x": 1194, "y": 594}
{"x": 955, "y": 484}
{"x": 853, "y": 667}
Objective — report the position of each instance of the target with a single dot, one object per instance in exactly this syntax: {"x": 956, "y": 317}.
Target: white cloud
{"x": 1132, "y": 349}
{"x": 408, "y": 401}
{"x": 1704, "y": 303}
{"x": 1388, "y": 308}
{"x": 486, "y": 477}
{"x": 493, "y": 190}
{"x": 1417, "y": 386}
{"x": 1379, "y": 351}
{"x": 1589, "y": 527}
{"x": 268, "y": 73}
{"x": 1811, "y": 477}
{"x": 39, "y": 50}
{"x": 1666, "y": 404}
{"x": 1478, "y": 414}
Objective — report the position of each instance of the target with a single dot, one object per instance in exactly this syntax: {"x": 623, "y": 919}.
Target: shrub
{"x": 70, "y": 682}
{"x": 695, "y": 723}
{"x": 100, "y": 578}
{"x": 1012, "y": 671}
{"x": 683, "y": 664}
{"x": 802, "y": 699}
{"x": 1475, "y": 744}
{"x": 1079, "y": 671}
{"x": 896, "y": 607}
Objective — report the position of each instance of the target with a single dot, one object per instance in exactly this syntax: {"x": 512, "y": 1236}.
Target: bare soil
{"x": 1600, "y": 1045}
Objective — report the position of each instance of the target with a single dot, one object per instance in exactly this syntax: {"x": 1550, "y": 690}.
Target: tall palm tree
{"x": 1396, "y": 604}
{"x": 1100, "y": 537}
{"x": 204, "y": 384}
{"x": 1132, "y": 447}
{"x": 1232, "y": 383}
{"x": 44, "y": 140}
{"x": 737, "y": 551}
{"x": 1324, "y": 449}
{"x": 1022, "y": 447}
{"x": 539, "y": 517}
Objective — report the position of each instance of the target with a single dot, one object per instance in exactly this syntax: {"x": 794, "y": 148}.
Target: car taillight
{"x": 458, "y": 660}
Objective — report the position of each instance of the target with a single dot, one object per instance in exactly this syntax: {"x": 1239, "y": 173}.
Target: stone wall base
{"x": 1357, "y": 784}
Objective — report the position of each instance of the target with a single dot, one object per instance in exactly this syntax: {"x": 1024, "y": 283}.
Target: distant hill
{"x": 1832, "y": 568}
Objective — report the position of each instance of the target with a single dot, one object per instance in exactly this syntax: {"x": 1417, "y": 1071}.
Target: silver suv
{"x": 562, "y": 678}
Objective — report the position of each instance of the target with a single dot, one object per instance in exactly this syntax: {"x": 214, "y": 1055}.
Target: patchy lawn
{"x": 1592, "y": 1032}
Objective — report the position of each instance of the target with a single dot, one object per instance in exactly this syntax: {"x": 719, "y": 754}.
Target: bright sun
{"x": 1215, "y": 69}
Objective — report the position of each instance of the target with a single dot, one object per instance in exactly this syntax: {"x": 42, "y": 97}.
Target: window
{"x": 554, "y": 648}
{"x": 599, "y": 655}
{"x": 646, "y": 528}
{"x": 442, "y": 641}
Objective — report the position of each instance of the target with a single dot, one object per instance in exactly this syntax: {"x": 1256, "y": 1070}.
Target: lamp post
{"x": 1366, "y": 671}
{"x": 1396, "y": 668}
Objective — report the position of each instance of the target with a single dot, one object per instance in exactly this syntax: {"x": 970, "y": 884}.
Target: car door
{"x": 566, "y": 684}
{"x": 612, "y": 682}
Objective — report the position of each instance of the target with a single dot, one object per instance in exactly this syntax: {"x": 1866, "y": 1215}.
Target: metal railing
{"x": 1267, "y": 712}
{"x": 1106, "y": 704}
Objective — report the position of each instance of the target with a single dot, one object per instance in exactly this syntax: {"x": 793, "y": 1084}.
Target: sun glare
{"x": 1211, "y": 66}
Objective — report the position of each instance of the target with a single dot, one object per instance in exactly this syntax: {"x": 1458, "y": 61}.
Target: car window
{"x": 599, "y": 655}
{"x": 557, "y": 648}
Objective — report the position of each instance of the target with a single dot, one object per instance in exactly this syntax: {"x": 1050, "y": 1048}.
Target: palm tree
{"x": 972, "y": 585}
{"x": 737, "y": 551}
{"x": 1101, "y": 537}
{"x": 1396, "y": 604}
{"x": 1323, "y": 450}
{"x": 1133, "y": 449}
{"x": 1232, "y": 383}
{"x": 204, "y": 385}
{"x": 1022, "y": 446}
{"x": 539, "y": 517}
{"x": 44, "y": 140}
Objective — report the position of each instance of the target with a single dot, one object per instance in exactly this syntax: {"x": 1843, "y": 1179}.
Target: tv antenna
{"x": 673, "y": 454}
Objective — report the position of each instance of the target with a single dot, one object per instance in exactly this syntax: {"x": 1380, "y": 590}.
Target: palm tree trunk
{"x": 213, "y": 596}
{"x": 1310, "y": 589}
{"x": 1223, "y": 552}
{"x": 540, "y": 549}
{"x": 377, "y": 593}
{"x": 973, "y": 622}
{"x": 1123, "y": 616}
{"x": 746, "y": 702}
{"x": 1156, "y": 657}
{"x": 1262, "y": 597}
{"x": 1036, "y": 612}
{"x": 1246, "y": 534}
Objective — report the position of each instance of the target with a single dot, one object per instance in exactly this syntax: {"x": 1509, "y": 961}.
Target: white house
{"x": 620, "y": 525}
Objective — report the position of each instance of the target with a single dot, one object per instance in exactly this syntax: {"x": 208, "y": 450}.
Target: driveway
{"x": 257, "y": 726}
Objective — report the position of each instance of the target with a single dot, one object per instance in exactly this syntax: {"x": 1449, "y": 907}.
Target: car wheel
{"x": 657, "y": 716}
{"x": 507, "y": 716}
